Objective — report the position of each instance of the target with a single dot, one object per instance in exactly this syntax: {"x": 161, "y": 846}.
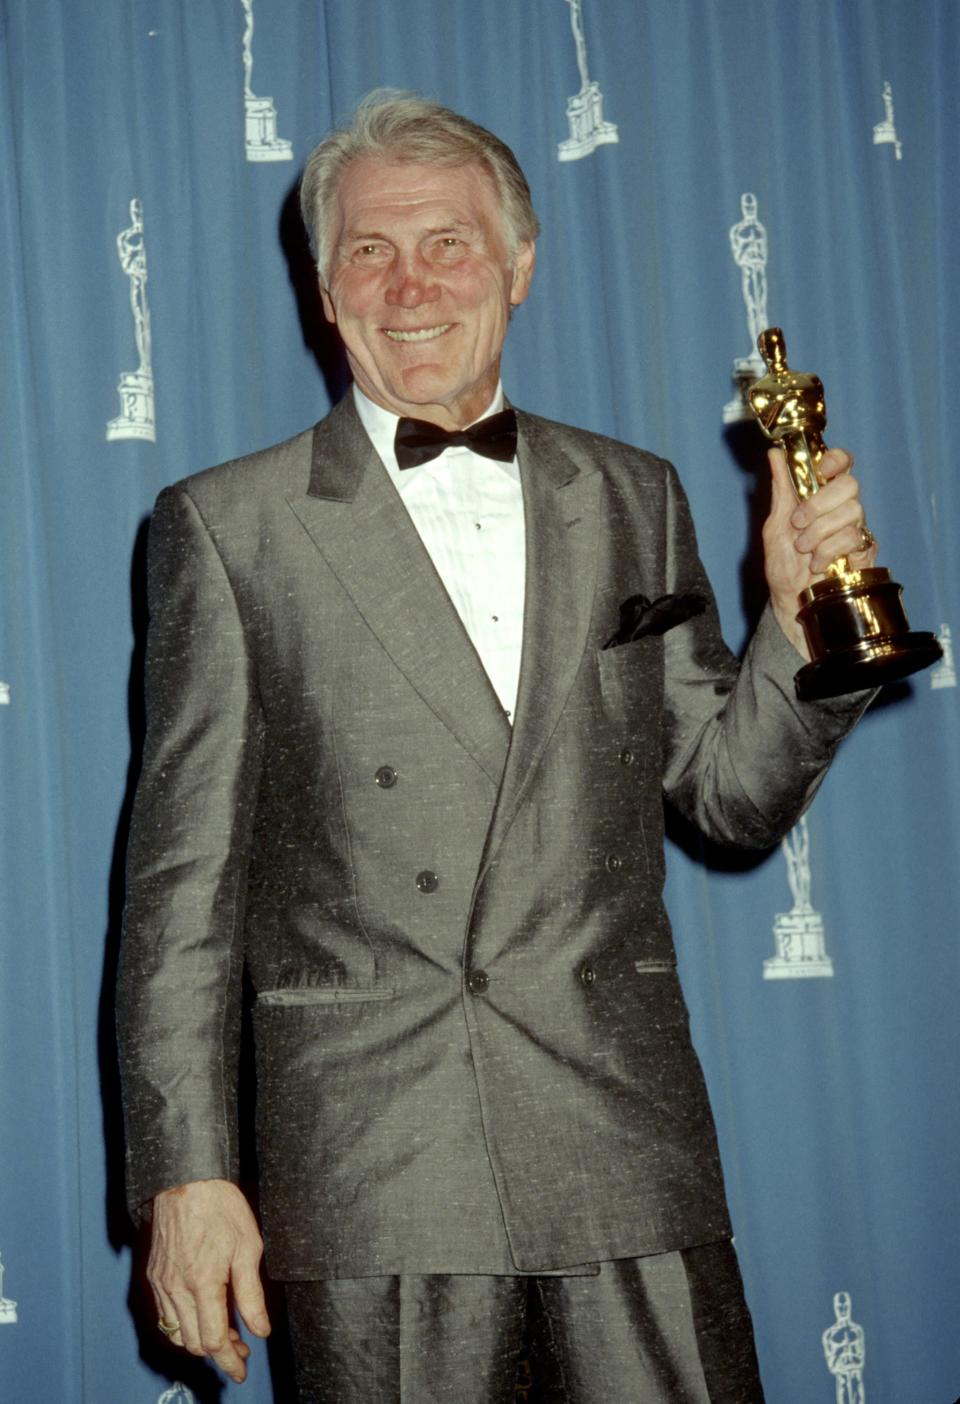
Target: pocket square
{"x": 639, "y": 617}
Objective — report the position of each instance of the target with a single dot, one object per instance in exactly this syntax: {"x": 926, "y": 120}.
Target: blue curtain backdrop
{"x": 196, "y": 338}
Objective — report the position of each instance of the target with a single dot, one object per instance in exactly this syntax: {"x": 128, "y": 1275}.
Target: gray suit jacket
{"x": 472, "y": 1047}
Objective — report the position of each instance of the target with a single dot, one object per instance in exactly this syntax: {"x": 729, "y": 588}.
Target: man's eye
{"x": 367, "y": 252}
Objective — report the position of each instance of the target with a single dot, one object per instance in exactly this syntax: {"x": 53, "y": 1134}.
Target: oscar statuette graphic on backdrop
{"x": 588, "y": 127}
{"x": 177, "y": 1394}
{"x": 260, "y": 115}
{"x": 854, "y": 621}
{"x": 885, "y": 132}
{"x": 137, "y": 417}
{"x": 8, "y": 1308}
{"x": 845, "y": 1351}
{"x": 945, "y": 674}
{"x": 799, "y": 934}
{"x": 748, "y": 245}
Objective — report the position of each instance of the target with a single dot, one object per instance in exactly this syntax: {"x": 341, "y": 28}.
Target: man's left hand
{"x": 800, "y": 539}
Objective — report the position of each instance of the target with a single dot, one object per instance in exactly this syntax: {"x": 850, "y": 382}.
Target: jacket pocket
{"x": 296, "y": 998}
{"x": 655, "y": 967}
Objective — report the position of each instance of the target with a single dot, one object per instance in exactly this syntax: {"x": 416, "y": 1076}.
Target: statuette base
{"x": 801, "y": 947}
{"x": 136, "y": 418}
{"x": 588, "y": 129}
{"x": 859, "y": 636}
{"x": 262, "y": 141}
{"x": 777, "y": 969}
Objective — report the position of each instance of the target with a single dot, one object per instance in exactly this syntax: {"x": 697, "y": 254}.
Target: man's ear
{"x": 328, "y": 308}
{"x": 522, "y": 272}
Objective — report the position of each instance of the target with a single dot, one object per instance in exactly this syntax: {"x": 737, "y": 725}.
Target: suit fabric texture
{"x": 472, "y": 1048}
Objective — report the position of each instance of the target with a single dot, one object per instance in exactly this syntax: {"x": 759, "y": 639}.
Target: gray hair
{"x": 399, "y": 126}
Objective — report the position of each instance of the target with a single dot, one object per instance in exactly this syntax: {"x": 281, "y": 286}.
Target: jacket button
{"x": 626, "y": 756}
{"x": 614, "y": 862}
{"x": 478, "y": 982}
{"x": 427, "y": 881}
{"x": 386, "y": 777}
{"x": 588, "y": 975}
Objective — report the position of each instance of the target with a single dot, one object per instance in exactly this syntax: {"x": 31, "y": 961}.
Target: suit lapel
{"x": 561, "y": 496}
{"x": 357, "y": 521}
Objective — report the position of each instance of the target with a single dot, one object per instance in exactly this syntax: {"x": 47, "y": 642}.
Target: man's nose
{"x": 411, "y": 283}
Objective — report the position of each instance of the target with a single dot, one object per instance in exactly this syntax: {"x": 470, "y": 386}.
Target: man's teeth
{"x": 426, "y": 334}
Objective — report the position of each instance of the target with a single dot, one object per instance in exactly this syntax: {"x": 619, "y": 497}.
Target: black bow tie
{"x": 418, "y": 441}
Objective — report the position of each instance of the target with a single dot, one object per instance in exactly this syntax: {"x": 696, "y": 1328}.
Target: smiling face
{"x": 420, "y": 286}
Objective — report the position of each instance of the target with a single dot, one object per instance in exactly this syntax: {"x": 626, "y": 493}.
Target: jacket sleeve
{"x": 178, "y": 995}
{"x": 743, "y": 757}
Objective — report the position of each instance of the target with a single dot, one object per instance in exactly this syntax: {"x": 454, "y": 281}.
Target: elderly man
{"x": 411, "y": 721}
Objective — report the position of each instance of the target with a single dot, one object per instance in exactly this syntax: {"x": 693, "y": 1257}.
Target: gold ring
{"x": 169, "y": 1328}
{"x": 867, "y": 538}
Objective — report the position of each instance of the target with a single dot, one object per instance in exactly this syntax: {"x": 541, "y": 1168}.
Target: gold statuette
{"x": 854, "y": 621}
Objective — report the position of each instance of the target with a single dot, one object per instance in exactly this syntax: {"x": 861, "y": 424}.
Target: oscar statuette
{"x": 854, "y": 621}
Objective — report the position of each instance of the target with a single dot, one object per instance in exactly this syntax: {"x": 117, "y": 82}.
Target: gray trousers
{"x": 672, "y": 1328}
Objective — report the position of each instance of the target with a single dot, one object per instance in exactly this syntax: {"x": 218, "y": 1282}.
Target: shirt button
{"x": 614, "y": 862}
{"x": 386, "y": 777}
{"x": 478, "y": 982}
{"x": 626, "y": 756}
{"x": 588, "y": 975}
{"x": 427, "y": 881}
